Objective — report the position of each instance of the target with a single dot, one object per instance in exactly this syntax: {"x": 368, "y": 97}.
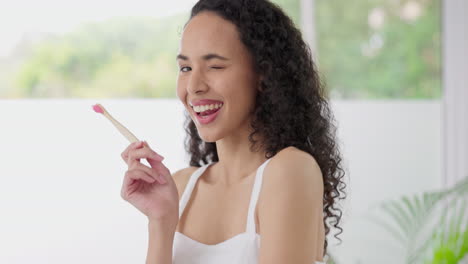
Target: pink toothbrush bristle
{"x": 98, "y": 109}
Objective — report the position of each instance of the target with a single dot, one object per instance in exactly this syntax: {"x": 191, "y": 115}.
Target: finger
{"x": 158, "y": 171}
{"x": 156, "y": 155}
{"x": 133, "y": 145}
{"x": 139, "y": 175}
{"x": 161, "y": 170}
{"x": 131, "y": 158}
{"x": 145, "y": 153}
{"x": 130, "y": 147}
{"x": 142, "y": 153}
{"x": 151, "y": 172}
{"x": 157, "y": 164}
{"x": 132, "y": 176}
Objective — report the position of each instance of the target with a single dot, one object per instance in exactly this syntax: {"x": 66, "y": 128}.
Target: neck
{"x": 236, "y": 160}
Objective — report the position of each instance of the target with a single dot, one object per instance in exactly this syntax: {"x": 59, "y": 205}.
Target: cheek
{"x": 245, "y": 92}
{"x": 180, "y": 91}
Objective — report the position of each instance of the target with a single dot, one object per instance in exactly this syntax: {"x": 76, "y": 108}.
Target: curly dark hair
{"x": 290, "y": 93}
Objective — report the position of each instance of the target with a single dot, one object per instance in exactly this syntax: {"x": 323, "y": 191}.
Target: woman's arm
{"x": 290, "y": 209}
{"x": 161, "y": 238}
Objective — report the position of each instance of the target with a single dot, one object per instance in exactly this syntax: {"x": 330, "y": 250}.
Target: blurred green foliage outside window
{"x": 380, "y": 49}
{"x": 366, "y": 49}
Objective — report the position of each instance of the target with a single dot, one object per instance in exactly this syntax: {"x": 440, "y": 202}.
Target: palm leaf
{"x": 450, "y": 243}
{"x": 408, "y": 219}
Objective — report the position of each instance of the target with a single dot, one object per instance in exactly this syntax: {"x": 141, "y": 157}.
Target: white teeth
{"x": 202, "y": 108}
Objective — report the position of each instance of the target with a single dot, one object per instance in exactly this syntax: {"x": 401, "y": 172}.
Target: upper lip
{"x": 204, "y": 102}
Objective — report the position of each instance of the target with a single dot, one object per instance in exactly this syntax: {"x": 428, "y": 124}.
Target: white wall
{"x": 61, "y": 173}
{"x": 392, "y": 148}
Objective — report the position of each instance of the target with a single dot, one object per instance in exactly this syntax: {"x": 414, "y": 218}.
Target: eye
{"x": 182, "y": 69}
{"x": 218, "y": 68}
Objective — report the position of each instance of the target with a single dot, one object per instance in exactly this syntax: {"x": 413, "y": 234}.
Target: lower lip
{"x": 209, "y": 118}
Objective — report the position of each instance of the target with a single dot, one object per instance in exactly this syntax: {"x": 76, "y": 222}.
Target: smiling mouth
{"x": 208, "y": 112}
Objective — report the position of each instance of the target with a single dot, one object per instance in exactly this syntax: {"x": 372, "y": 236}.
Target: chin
{"x": 209, "y": 134}
{"x": 209, "y": 137}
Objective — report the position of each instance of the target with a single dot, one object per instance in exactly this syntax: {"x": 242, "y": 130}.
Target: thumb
{"x": 157, "y": 165}
{"x": 160, "y": 169}
{"x": 147, "y": 145}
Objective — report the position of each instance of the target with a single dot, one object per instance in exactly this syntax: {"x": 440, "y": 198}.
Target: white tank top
{"x": 242, "y": 248}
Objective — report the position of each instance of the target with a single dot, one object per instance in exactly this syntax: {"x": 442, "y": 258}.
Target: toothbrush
{"x": 98, "y": 108}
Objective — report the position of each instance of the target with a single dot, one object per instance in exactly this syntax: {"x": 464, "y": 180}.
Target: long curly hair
{"x": 291, "y": 107}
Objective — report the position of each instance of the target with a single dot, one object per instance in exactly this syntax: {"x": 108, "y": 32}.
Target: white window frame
{"x": 455, "y": 90}
{"x": 308, "y": 26}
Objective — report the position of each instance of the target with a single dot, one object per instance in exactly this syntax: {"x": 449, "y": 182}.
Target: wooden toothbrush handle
{"x": 123, "y": 130}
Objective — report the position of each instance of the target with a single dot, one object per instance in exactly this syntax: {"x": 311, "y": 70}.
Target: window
{"x": 119, "y": 50}
{"x": 380, "y": 49}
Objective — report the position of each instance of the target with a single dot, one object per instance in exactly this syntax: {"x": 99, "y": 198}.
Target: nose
{"x": 196, "y": 83}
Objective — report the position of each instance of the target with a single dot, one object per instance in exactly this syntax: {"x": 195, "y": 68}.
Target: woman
{"x": 265, "y": 172}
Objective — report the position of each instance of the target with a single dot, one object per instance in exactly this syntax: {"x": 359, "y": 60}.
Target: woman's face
{"x": 214, "y": 64}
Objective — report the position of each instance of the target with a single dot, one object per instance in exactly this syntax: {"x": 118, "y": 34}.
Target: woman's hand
{"x": 150, "y": 190}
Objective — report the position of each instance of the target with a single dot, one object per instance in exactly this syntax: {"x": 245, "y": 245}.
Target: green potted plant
{"x": 433, "y": 226}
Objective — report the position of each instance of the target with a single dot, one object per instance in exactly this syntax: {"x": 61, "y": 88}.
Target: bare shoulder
{"x": 293, "y": 163}
{"x": 181, "y": 178}
{"x": 290, "y": 217}
{"x": 291, "y": 170}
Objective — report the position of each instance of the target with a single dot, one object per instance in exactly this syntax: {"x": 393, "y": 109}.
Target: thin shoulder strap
{"x": 189, "y": 188}
{"x": 254, "y": 197}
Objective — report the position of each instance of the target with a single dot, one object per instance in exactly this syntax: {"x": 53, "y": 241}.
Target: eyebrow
{"x": 206, "y": 57}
